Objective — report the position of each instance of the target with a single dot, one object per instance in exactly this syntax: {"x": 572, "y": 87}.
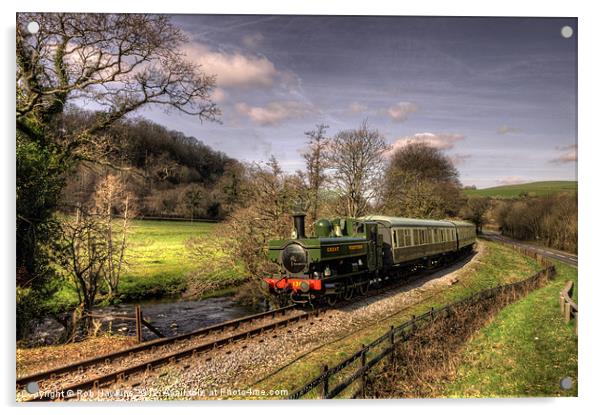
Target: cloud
{"x": 401, "y": 110}
{"x": 234, "y": 69}
{"x": 274, "y": 112}
{"x": 458, "y": 159}
{"x": 438, "y": 141}
{"x": 253, "y": 40}
{"x": 568, "y": 155}
{"x": 355, "y": 107}
{"x": 511, "y": 180}
{"x": 219, "y": 95}
{"x": 504, "y": 129}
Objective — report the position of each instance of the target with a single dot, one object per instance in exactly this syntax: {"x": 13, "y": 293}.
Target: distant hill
{"x": 531, "y": 189}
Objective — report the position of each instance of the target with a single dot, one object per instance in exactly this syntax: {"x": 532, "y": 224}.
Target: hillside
{"x": 531, "y": 189}
{"x": 169, "y": 173}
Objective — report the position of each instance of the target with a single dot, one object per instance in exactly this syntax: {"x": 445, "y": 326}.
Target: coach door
{"x": 374, "y": 246}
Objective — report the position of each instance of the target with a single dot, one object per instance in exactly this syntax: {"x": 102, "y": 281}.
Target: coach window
{"x": 408, "y": 237}
{"x": 394, "y": 239}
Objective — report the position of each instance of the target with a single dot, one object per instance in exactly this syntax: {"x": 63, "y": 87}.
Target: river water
{"x": 169, "y": 317}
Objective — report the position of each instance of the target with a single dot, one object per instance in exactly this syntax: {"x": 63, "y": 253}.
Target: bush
{"x": 551, "y": 220}
{"x": 217, "y": 266}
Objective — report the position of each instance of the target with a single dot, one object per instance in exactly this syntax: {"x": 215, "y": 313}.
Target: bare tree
{"x": 315, "y": 166}
{"x": 112, "y": 196}
{"x": 119, "y": 61}
{"x": 83, "y": 255}
{"x": 356, "y": 158}
{"x": 271, "y": 196}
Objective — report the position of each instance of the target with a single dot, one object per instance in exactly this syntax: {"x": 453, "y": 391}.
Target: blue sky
{"x": 497, "y": 95}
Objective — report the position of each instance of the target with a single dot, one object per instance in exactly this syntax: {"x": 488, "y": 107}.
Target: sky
{"x": 496, "y": 95}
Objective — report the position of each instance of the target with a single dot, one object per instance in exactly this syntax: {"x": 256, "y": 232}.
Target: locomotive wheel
{"x": 331, "y": 300}
{"x": 363, "y": 288}
{"x": 348, "y": 292}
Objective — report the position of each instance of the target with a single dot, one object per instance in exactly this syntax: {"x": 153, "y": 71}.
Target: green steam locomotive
{"x": 348, "y": 255}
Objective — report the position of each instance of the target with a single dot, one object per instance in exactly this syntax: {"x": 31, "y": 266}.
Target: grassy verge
{"x": 498, "y": 265}
{"x": 525, "y": 351}
{"x": 159, "y": 264}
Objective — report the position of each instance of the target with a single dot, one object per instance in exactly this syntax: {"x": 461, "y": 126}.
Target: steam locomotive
{"x": 348, "y": 255}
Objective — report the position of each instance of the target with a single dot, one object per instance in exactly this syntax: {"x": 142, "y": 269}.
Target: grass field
{"x": 522, "y": 352}
{"x": 531, "y": 189}
{"x": 158, "y": 261}
{"x": 498, "y": 265}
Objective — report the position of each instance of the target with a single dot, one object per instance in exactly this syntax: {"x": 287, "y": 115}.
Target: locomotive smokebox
{"x": 299, "y": 219}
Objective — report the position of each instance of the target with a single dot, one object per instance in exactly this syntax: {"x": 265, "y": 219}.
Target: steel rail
{"x": 109, "y": 357}
{"x": 121, "y": 375}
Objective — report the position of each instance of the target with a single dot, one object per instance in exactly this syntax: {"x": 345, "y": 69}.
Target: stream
{"x": 168, "y": 316}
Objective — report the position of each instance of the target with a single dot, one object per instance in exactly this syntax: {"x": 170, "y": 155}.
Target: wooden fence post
{"x": 363, "y": 379}
{"x": 561, "y": 302}
{"x": 567, "y": 312}
{"x": 325, "y": 382}
{"x": 138, "y": 324}
{"x": 392, "y": 343}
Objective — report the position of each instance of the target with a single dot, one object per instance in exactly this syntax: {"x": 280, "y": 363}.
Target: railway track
{"x": 62, "y": 382}
{"x": 66, "y": 382}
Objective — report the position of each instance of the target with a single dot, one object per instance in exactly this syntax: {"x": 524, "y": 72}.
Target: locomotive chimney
{"x": 299, "y": 219}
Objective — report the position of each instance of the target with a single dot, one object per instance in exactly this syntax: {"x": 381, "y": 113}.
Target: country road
{"x": 564, "y": 257}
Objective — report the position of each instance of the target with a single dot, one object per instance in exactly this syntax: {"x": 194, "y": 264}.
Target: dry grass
{"x": 38, "y": 359}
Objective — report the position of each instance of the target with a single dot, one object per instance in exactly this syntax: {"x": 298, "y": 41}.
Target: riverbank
{"x": 160, "y": 266}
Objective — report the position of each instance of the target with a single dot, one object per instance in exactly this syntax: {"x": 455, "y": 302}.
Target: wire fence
{"x": 353, "y": 371}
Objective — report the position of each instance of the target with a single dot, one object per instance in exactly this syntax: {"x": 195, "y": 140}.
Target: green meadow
{"x": 531, "y": 189}
{"x": 158, "y": 262}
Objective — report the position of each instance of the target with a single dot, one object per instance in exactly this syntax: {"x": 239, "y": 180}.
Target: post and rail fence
{"x": 138, "y": 318}
{"x": 325, "y": 384}
{"x": 568, "y": 307}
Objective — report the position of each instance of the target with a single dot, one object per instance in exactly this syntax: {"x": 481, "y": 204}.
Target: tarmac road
{"x": 564, "y": 257}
